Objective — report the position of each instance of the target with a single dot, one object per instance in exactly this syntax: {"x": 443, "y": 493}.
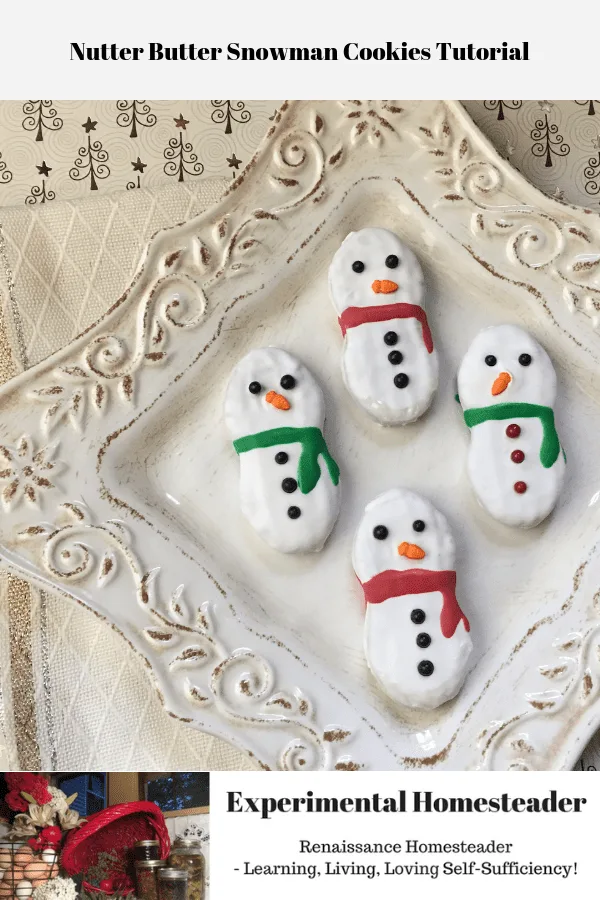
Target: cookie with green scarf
{"x": 507, "y": 388}
{"x": 289, "y": 481}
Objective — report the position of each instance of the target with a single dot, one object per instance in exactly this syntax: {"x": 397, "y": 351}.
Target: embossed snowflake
{"x": 25, "y": 472}
{"x": 371, "y": 118}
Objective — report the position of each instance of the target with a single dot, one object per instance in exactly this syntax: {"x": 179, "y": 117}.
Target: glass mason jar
{"x": 146, "y": 850}
{"x": 146, "y": 871}
{"x": 172, "y": 884}
{"x": 186, "y": 853}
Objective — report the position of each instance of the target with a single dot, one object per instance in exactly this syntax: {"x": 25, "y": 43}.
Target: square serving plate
{"x": 119, "y": 482}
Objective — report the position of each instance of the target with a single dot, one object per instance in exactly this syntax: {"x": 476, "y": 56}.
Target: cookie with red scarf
{"x": 389, "y": 362}
{"x": 416, "y": 636}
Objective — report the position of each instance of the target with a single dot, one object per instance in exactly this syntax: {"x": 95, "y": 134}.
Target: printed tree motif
{"x": 92, "y": 159}
{"x": 590, "y": 105}
{"x": 134, "y": 113}
{"x": 39, "y": 194}
{"x": 180, "y": 154}
{"x": 5, "y": 174}
{"x": 138, "y": 166}
{"x": 548, "y": 142}
{"x": 229, "y": 111}
{"x": 501, "y": 105}
{"x": 591, "y": 173}
{"x": 40, "y": 115}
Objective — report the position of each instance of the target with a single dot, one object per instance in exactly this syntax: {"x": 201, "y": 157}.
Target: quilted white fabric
{"x": 96, "y": 708}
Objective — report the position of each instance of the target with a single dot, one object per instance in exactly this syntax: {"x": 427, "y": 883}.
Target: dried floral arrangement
{"x": 43, "y": 811}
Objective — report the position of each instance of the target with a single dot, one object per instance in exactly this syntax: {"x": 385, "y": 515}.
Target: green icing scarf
{"x": 550, "y": 444}
{"x": 313, "y": 446}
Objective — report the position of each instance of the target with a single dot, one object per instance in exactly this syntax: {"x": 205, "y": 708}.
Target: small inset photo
{"x": 102, "y": 835}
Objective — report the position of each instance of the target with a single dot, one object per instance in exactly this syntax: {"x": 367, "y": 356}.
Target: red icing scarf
{"x": 359, "y": 315}
{"x": 392, "y": 583}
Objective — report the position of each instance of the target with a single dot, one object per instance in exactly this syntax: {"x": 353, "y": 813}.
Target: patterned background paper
{"x": 65, "y": 149}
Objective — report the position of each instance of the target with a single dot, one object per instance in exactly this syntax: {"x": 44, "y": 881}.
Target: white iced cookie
{"x": 507, "y": 388}
{"x": 416, "y": 636}
{"x": 389, "y": 363}
{"x": 289, "y": 482}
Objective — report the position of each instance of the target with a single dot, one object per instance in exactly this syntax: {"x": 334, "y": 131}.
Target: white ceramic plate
{"x": 140, "y": 520}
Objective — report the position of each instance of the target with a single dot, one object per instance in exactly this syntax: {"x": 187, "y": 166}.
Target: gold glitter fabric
{"x": 18, "y": 598}
{"x": 21, "y": 669}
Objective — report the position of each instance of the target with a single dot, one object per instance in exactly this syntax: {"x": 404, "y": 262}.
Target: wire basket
{"x": 23, "y": 869}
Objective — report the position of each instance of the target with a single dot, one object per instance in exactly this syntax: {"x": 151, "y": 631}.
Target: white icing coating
{"x": 492, "y": 472}
{"x": 368, "y": 374}
{"x": 390, "y": 635}
{"x": 263, "y": 501}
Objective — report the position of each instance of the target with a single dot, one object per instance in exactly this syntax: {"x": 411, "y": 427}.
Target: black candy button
{"x": 525, "y": 359}
{"x": 490, "y": 360}
{"x": 380, "y": 532}
{"x": 288, "y": 382}
{"x": 418, "y": 525}
{"x": 294, "y": 512}
{"x": 417, "y": 616}
{"x": 423, "y": 640}
{"x": 425, "y": 667}
{"x": 390, "y": 338}
{"x": 395, "y": 357}
{"x": 401, "y": 380}
{"x": 281, "y": 458}
{"x": 289, "y": 485}
{"x": 358, "y": 266}
{"x": 255, "y": 387}
{"x": 391, "y": 261}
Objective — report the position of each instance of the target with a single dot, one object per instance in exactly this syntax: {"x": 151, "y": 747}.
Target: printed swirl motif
{"x": 533, "y": 239}
{"x": 241, "y": 684}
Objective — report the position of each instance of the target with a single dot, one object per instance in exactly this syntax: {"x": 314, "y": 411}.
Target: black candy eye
{"x": 288, "y": 382}
{"x": 525, "y": 359}
{"x": 418, "y": 525}
{"x": 255, "y": 387}
{"x": 380, "y": 532}
{"x": 490, "y": 360}
{"x": 391, "y": 261}
{"x": 358, "y": 266}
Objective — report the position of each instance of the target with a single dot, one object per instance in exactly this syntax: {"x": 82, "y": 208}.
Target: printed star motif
{"x": 89, "y": 125}
{"x": 44, "y": 169}
{"x": 558, "y": 194}
{"x": 509, "y": 148}
{"x": 139, "y": 166}
{"x": 181, "y": 122}
{"x": 234, "y": 162}
{"x": 545, "y": 105}
{"x": 596, "y": 142}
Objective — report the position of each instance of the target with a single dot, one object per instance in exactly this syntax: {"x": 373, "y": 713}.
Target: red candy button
{"x": 513, "y": 431}
{"x": 517, "y": 456}
{"x": 520, "y": 487}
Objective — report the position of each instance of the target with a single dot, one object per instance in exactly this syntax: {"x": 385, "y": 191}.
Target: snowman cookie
{"x": 289, "y": 482}
{"x": 507, "y": 388}
{"x": 389, "y": 362}
{"x": 416, "y": 637}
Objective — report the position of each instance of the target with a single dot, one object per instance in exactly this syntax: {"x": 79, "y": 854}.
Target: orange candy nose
{"x": 411, "y": 551}
{"x": 501, "y": 383}
{"x": 384, "y": 287}
{"x": 277, "y": 400}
